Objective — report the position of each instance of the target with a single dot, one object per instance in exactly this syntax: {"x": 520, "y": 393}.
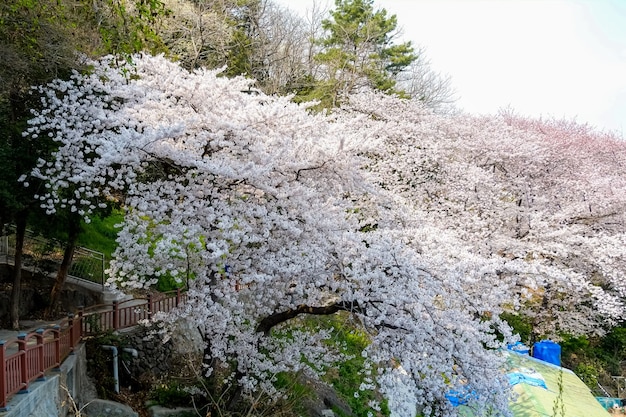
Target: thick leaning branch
{"x": 265, "y": 325}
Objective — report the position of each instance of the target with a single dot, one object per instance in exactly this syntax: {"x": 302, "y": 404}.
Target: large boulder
{"x": 98, "y": 408}
{"x": 186, "y": 338}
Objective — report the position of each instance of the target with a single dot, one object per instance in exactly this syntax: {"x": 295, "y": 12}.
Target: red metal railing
{"x": 30, "y": 356}
{"x": 121, "y": 315}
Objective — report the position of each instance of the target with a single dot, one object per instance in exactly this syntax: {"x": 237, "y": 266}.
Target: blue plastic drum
{"x": 548, "y": 351}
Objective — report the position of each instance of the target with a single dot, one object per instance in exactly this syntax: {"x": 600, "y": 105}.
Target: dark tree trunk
{"x": 16, "y": 292}
{"x": 68, "y": 254}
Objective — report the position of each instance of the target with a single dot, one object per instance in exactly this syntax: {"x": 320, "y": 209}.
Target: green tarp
{"x": 562, "y": 387}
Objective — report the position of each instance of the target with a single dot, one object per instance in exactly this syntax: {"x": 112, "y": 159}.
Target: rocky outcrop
{"x": 153, "y": 356}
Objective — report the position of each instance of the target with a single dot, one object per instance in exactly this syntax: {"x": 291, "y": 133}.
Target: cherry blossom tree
{"x": 269, "y": 213}
{"x": 424, "y": 226}
{"x": 550, "y": 194}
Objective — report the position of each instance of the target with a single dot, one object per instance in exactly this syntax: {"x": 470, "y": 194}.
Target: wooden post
{"x": 149, "y": 305}
{"x": 81, "y": 326}
{"x": 70, "y": 327}
{"x": 56, "y": 331}
{"x": 177, "y": 296}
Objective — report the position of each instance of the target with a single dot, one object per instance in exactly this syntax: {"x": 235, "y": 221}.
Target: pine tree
{"x": 359, "y": 50}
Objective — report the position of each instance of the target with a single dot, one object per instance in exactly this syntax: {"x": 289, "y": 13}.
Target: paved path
{"x": 30, "y": 326}
{"x": 8, "y": 334}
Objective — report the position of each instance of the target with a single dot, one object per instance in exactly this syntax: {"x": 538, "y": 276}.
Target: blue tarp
{"x": 531, "y": 378}
{"x": 457, "y": 398}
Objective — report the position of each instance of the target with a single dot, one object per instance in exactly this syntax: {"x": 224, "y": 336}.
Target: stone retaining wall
{"x": 154, "y": 357}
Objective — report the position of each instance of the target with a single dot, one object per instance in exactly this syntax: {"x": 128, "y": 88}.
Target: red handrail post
{"x": 40, "y": 358}
{"x": 71, "y": 330}
{"x": 3, "y": 377}
{"x": 116, "y": 315}
{"x": 23, "y": 363}
{"x": 56, "y": 331}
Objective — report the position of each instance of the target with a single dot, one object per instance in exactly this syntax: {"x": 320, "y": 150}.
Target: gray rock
{"x": 99, "y": 408}
{"x": 323, "y": 400}
{"x": 186, "y": 338}
{"x": 159, "y": 411}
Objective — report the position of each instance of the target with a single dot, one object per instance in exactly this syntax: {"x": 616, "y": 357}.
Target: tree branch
{"x": 265, "y": 325}
{"x": 308, "y": 169}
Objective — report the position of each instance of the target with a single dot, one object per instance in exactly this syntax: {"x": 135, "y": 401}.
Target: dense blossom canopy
{"x": 551, "y": 194}
{"x": 424, "y": 227}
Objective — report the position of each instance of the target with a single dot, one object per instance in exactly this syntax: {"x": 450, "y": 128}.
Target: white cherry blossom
{"x": 423, "y": 226}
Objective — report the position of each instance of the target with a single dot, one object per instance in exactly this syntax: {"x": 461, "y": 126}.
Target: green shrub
{"x": 588, "y": 373}
{"x": 614, "y": 343}
{"x": 520, "y": 324}
{"x": 171, "y": 394}
{"x": 167, "y": 283}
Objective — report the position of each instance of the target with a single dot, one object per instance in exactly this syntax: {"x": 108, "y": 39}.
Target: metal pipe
{"x": 131, "y": 351}
{"x": 116, "y": 376}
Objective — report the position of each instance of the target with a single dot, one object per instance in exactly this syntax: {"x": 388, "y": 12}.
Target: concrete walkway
{"x": 30, "y": 326}
{"x": 8, "y": 334}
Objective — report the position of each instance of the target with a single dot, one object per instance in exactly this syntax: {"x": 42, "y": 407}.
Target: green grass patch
{"x": 351, "y": 373}
{"x": 348, "y": 375}
{"x": 100, "y": 234}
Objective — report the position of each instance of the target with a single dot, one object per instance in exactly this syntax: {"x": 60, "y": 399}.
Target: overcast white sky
{"x": 561, "y": 58}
